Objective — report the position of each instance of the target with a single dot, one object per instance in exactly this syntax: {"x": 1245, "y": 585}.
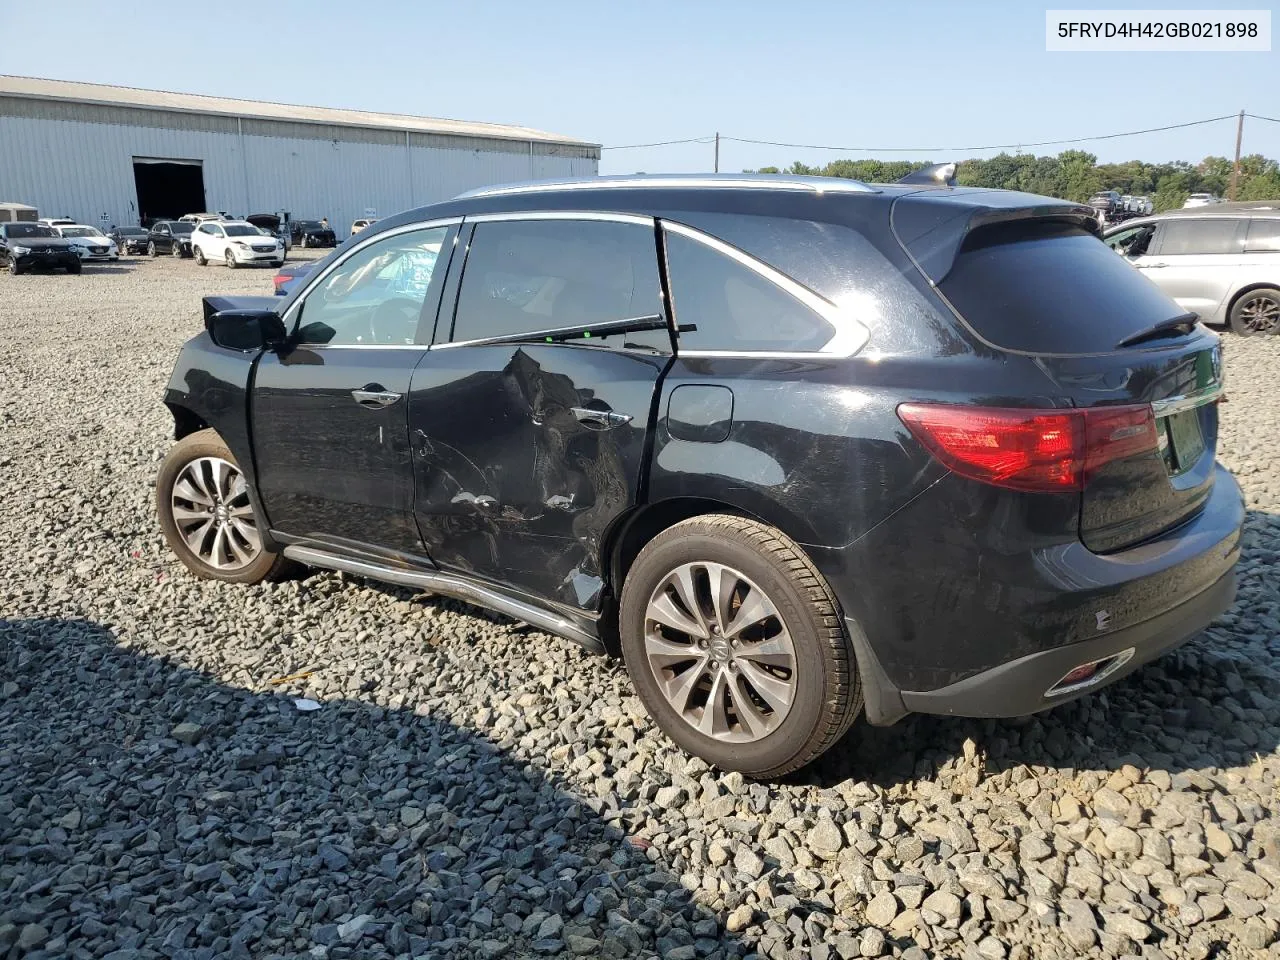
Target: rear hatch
{"x": 1035, "y": 280}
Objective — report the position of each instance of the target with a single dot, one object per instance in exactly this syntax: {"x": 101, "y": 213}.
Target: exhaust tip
{"x": 1089, "y": 674}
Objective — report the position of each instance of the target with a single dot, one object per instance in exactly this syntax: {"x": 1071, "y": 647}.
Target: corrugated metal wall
{"x": 83, "y": 168}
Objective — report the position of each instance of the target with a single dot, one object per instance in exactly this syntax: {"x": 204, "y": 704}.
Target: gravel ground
{"x": 470, "y": 788}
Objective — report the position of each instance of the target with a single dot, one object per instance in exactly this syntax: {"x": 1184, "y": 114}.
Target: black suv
{"x": 311, "y": 233}
{"x": 35, "y": 246}
{"x": 796, "y": 448}
{"x": 171, "y": 237}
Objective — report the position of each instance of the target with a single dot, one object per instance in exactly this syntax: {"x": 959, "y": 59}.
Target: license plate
{"x": 1186, "y": 442}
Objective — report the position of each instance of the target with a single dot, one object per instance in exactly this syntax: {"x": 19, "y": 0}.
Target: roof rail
{"x": 759, "y": 181}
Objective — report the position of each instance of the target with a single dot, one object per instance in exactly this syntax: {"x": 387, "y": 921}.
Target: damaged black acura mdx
{"x": 797, "y": 449}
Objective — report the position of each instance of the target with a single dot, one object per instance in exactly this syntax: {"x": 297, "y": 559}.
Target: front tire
{"x": 14, "y": 269}
{"x": 152, "y": 251}
{"x": 75, "y": 267}
{"x": 202, "y": 501}
{"x": 735, "y": 643}
{"x": 199, "y": 255}
{"x": 1256, "y": 312}
{"x": 231, "y": 260}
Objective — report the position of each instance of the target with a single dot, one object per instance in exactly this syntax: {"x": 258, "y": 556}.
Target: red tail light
{"x": 279, "y": 279}
{"x": 1049, "y": 451}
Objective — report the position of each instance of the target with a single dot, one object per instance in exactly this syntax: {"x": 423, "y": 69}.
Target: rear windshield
{"x": 131, "y": 231}
{"x": 1051, "y": 288}
{"x": 182, "y": 227}
{"x": 310, "y": 224}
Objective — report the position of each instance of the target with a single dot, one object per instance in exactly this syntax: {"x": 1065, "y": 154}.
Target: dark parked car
{"x": 287, "y": 278}
{"x": 312, "y": 233}
{"x": 35, "y": 246}
{"x": 171, "y": 237}
{"x": 798, "y": 449}
{"x": 130, "y": 240}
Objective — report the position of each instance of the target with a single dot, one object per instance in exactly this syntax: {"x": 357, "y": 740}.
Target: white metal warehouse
{"x": 91, "y": 152}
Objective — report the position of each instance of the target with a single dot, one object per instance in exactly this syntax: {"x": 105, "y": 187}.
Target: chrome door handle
{"x": 374, "y": 399}
{"x": 599, "y": 419}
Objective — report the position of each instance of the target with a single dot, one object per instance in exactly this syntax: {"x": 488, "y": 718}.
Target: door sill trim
{"x": 450, "y": 585}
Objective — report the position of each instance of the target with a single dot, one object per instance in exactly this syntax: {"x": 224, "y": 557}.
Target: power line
{"x": 661, "y": 143}
{"x": 994, "y": 146}
{"x": 1254, "y": 116}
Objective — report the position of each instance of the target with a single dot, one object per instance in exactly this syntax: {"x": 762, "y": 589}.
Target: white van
{"x": 17, "y": 213}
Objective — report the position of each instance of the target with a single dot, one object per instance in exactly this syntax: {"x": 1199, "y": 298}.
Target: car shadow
{"x": 147, "y": 805}
{"x": 107, "y": 268}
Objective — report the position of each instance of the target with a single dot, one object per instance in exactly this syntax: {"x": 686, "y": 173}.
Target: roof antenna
{"x": 938, "y": 174}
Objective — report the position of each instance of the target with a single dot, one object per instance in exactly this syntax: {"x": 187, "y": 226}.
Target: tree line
{"x": 1077, "y": 175}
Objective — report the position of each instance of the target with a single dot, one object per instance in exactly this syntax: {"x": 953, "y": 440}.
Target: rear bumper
{"x": 950, "y": 614}
{"x": 1019, "y": 687}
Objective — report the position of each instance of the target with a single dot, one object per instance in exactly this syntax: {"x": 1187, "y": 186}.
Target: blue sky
{"x": 845, "y": 73}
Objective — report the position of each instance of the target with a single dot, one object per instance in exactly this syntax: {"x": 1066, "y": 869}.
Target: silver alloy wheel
{"x": 1261, "y": 313}
{"x": 211, "y": 510}
{"x": 720, "y": 652}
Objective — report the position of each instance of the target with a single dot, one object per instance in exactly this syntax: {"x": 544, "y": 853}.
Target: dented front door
{"x": 523, "y": 454}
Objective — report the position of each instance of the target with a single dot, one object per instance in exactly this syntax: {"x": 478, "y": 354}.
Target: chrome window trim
{"x": 290, "y": 317}
{"x": 362, "y": 346}
{"x": 551, "y": 332}
{"x": 1187, "y": 401}
{"x": 592, "y": 215}
{"x": 850, "y": 336}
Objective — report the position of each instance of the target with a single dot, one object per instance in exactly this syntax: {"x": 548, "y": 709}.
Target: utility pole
{"x": 1235, "y": 170}
{"x": 717, "y": 164}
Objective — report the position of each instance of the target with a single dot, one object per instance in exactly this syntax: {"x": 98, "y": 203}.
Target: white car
{"x": 89, "y": 243}
{"x": 1200, "y": 200}
{"x": 235, "y": 242}
{"x": 361, "y": 223}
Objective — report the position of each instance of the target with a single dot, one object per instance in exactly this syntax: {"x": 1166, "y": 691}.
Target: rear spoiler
{"x": 931, "y": 228}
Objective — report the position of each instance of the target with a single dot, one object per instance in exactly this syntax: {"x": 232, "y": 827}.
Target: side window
{"x": 1132, "y": 243}
{"x": 375, "y": 296}
{"x": 1195, "y": 236}
{"x": 721, "y": 304}
{"x": 1264, "y": 236}
{"x": 533, "y": 276}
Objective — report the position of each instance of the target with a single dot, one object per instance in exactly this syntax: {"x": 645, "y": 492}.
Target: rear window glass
{"x": 1051, "y": 288}
{"x": 1264, "y": 236}
{"x": 722, "y": 305}
{"x": 1190, "y": 237}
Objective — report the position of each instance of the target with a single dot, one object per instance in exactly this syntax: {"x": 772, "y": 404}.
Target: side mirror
{"x": 247, "y": 330}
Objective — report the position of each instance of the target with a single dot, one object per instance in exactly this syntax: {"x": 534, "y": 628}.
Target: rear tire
{"x": 790, "y": 676}
{"x": 187, "y": 477}
{"x": 199, "y": 255}
{"x": 1256, "y": 312}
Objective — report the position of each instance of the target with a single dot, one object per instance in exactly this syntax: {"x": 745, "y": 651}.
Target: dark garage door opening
{"x": 168, "y": 189}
